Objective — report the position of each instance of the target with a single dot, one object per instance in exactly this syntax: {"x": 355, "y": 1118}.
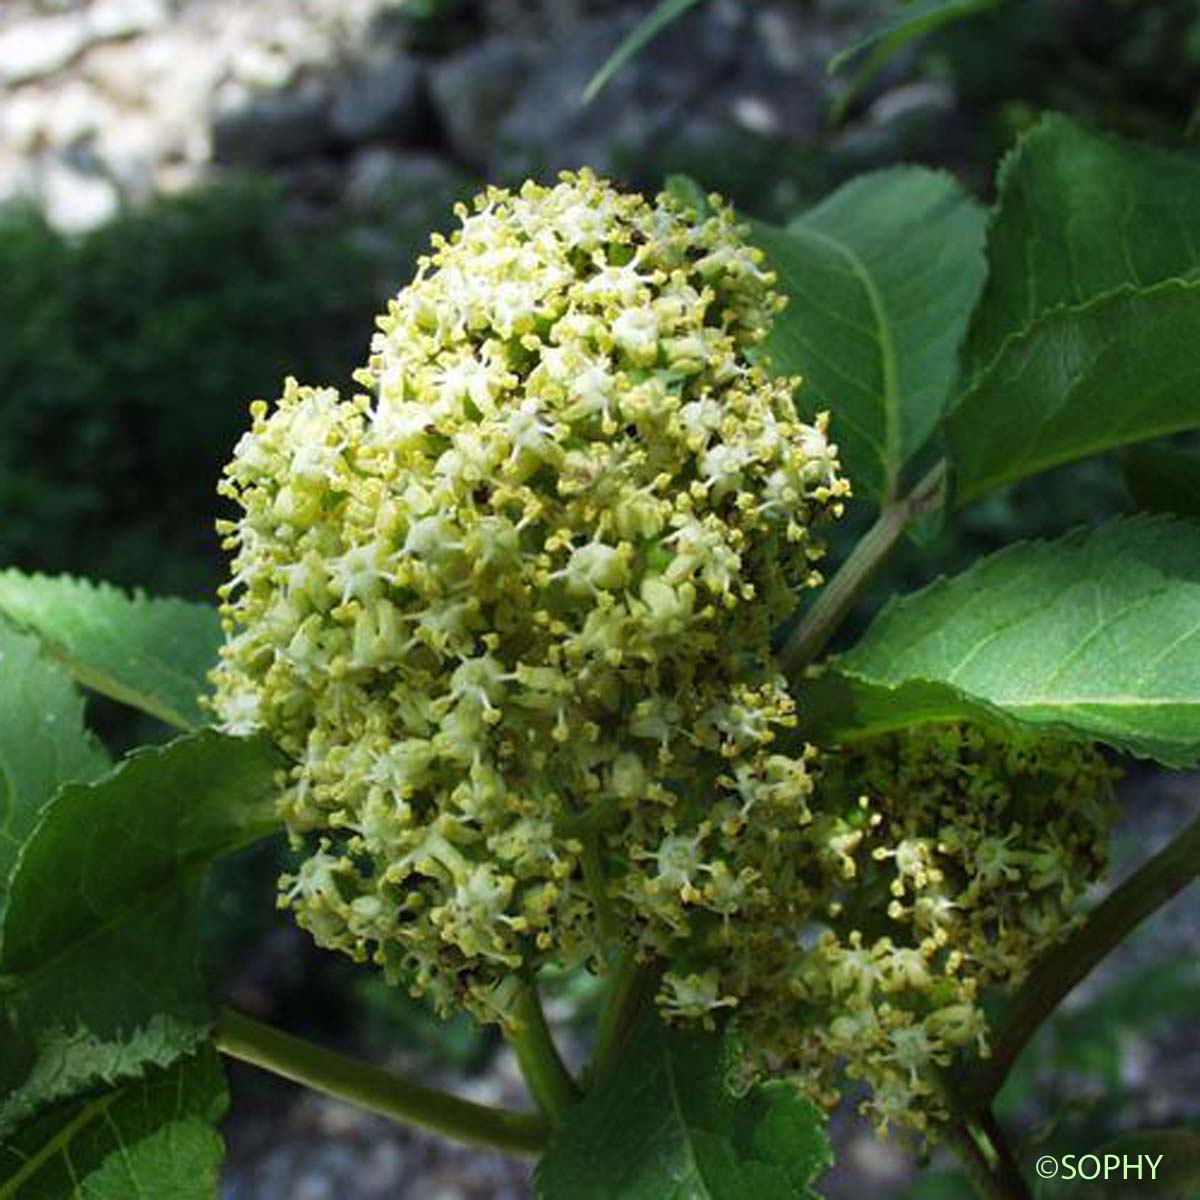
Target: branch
{"x": 543, "y": 1069}
{"x": 821, "y": 621}
{"x": 1141, "y": 895}
{"x": 376, "y": 1090}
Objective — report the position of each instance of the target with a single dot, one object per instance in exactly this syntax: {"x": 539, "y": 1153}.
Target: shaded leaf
{"x": 98, "y": 974}
{"x": 640, "y": 36}
{"x": 1077, "y": 382}
{"x": 1094, "y": 636}
{"x": 1163, "y": 479}
{"x": 1081, "y": 214}
{"x": 881, "y": 277}
{"x": 152, "y": 1137}
{"x": 911, "y": 21}
{"x": 43, "y": 742}
{"x": 663, "y": 1124}
{"x": 152, "y": 654}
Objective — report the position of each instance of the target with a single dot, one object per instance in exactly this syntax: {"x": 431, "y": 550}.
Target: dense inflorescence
{"x": 941, "y": 862}
{"x": 508, "y": 610}
{"x": 508, "y": 614}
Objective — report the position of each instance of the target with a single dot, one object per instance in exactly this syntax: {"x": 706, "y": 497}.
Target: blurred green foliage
{"x": 127, "y": 360}
{"x": 1126, "y": 65}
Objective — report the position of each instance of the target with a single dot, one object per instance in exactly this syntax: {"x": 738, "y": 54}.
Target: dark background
{"x": 201, "y": 196}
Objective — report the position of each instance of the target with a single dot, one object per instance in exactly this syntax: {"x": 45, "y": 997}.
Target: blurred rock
{"x": 473, "y": 90}
{"x": 725, "y": 68}
{"x": 922, "y": 99}
{"x": 273, "y": 128}
{"x": 381, "y": 180}
{"x": 110, "y": 19}
{"x": 74, "y": 199}
{"x": 386, "y": 101}
{"x": 39, "y": 47}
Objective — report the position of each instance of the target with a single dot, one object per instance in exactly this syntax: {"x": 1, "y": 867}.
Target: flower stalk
{"x": 376, "y": 1090}
{"x": 839, "y": 596}
{"x": 547, "y": 1076}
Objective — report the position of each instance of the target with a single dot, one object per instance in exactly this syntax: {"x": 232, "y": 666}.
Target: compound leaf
{"x": 663, "y": 1124}
{"x": 1095, "y": 636}
{"x": 152, "y": 654}
{"x": 149, "y": 1137}
{"x": 98, "y": 974}
{"x": 880, "y": 278}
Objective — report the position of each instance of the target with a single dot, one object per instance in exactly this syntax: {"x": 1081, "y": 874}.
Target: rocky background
{"x": 367, "y": 104}
{"x": 197, "y": 195}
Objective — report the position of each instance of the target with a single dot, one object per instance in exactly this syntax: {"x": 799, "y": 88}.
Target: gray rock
{"x": 272, "y": 129}
{"x": 382, "y": 180}
{"x": 386, "y": 101}
{"x": 37, "y": 48}
{"x": 723, "y": 70}
{"x": 473, "y": 90}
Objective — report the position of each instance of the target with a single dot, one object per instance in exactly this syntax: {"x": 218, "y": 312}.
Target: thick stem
{"x": 631, "y": 984}
{"x": 376, "y": 1090}
{"x": 547, "y": 1077}
{"x": 839, "y": 595}
{"x": 1142, "y": 894}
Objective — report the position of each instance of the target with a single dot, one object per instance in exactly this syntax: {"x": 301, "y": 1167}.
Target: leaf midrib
{"x": 677, "y": 1103}
{"x": 107, "y": 685}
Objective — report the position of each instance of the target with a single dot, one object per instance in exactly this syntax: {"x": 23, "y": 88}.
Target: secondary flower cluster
{"x": 508, "y": 611}
{"x": 941, "y": 862}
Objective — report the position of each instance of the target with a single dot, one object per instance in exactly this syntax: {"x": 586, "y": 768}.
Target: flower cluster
{"x": 508, "y": 610}
{"x": 943, "y": 861}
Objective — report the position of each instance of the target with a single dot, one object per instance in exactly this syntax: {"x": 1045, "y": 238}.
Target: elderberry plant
{"x": 524, "y": 648}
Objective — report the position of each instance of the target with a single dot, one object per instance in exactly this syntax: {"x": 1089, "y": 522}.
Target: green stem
{"x": 376, "y": 1090}
{"x": 839, "y": 595}
{"x": 987, "y": 1160}
{"x": 1142, "y": 894}
{"x": 547, "y": 1077}
{"x": 631, "y": 984}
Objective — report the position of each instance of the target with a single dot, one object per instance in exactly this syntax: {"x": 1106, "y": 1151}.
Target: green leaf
{"x": 43, "y": 742}
{"x": 912, "y": 21}
{"x": 154, "y": 1137}
{"x": 1163, "y": 479}
{"x": 663, "y": 1124}
{"x": 1094, "y": 636}
{"x": 151, "y": 654}
{"x": 1081, "y": 214}
{"x": 1080, "y": 381}
{"x": 881, "y": 277}
{"x": 640, "y": 36}
{"x": 1174, "y": 1155}
{"x": 98, "y": 974}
